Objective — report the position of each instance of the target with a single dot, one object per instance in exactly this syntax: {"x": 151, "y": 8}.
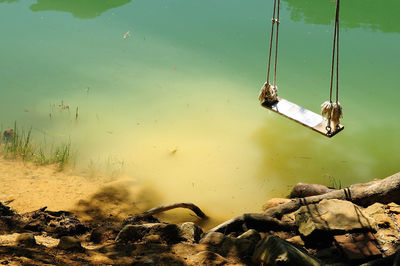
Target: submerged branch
{"x": 159, "y": 209}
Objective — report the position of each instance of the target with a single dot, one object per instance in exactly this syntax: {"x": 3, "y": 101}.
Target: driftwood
{"x": 257, "y": 221}
{"x": 159, "y": 209}
{"x": 302, "y": 190}
{"x": 384, "y": 191}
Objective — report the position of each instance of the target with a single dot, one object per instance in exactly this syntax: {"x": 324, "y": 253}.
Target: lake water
{"x": 175, "y": 103}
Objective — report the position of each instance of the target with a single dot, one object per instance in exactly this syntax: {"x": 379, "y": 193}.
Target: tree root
{"x": 384, "y": 191}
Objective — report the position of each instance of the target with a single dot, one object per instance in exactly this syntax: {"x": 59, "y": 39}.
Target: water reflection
{"x": 376, "y": 15}
{"x": 80, "y": 9}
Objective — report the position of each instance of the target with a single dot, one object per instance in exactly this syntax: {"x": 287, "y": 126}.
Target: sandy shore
{"x": 31, "y": 187}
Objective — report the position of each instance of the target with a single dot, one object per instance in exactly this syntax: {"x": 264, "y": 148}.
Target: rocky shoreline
{"x": 317, "y": 225}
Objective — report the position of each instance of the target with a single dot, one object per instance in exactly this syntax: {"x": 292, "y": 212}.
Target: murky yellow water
{"x": 175, "y": 104}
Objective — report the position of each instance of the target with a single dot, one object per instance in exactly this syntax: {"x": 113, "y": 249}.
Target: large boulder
{"x": 272, "y": 250}
{"x": 332, "y": 215}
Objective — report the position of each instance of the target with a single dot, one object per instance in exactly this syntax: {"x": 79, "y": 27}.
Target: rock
{"x": 331, "y": 256}
{"x": 191, "y": 232}
{"x": 296, "y": 240}
{"x": 238, "y": 247}
{"x": 302, "y": 190}
{"x": 26, "y": 240}
{"x": 8, "y": 135}
{"x": 168, "y": 232}
{"x": 131, "y": 233}
{"x": 358, "y": 246}
{"x": 394, "y": 208}
{"x": 5, "y": 210}
{"x": 392, "y": 260}
{"x": 274, "y": 202}
{"x": 212, "y": 238}
{"x": 56, "y": 224}
{"x": 332, "y": 215}
{"x": 272, "y": 250}
{"x": 155, "y": 239}
{"x": 385, "y": 223}
{"x": 97, "y": 235}
{"x": 251, "y": 235}
{"x": 225, "y": 245}
{"x": 70, "y": 243}
{"x": 207, "y": 258}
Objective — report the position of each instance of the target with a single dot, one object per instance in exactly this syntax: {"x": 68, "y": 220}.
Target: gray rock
{"x": 251, "y": 235}
{"x": 272, "y": 250}
{"x": 331, "y": 215}
{"x": 70, "y": 243}
{"x": 191, "y": 232}
{"x": 26, "y": 240}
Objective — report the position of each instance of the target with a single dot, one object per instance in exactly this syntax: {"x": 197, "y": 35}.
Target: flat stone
{"x": 358, "y": 246}
{"x": 26, "y": 239}
{"x": 332, "y": 215}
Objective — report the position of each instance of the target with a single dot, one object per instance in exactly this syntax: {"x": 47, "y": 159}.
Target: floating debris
{"x": 126, "y": 35}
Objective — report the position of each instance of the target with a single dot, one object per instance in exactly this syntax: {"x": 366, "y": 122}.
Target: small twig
{"x": 8, "y": 201}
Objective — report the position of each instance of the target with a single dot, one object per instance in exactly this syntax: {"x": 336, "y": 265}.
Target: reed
{"x": 19, "y": 145}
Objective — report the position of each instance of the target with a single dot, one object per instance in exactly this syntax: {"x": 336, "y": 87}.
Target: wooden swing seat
{"x": 302, "y": 116}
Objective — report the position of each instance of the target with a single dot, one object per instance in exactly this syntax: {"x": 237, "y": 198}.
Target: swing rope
{"x": 334, "y": 110}
{"x": 269, "y": 92}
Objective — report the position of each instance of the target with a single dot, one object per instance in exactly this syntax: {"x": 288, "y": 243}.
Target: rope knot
{"x": 333, "y": 111}
{"x": 268, "y": 93}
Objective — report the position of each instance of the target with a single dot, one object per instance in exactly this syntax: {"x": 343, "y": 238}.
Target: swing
{"x": 268, "y": 97}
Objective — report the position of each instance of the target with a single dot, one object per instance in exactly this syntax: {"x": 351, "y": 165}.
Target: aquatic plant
{"x": 17, "y": 143}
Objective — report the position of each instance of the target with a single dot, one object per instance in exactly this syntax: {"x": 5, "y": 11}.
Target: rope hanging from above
{"x": 334, "y": 110}
{"x": 269, "y": 92}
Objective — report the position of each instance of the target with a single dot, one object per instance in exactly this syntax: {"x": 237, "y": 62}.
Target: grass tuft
{"x": 17, "y": 144}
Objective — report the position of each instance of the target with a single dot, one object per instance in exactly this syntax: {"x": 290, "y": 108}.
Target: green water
{"x": 176, "y": 101}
